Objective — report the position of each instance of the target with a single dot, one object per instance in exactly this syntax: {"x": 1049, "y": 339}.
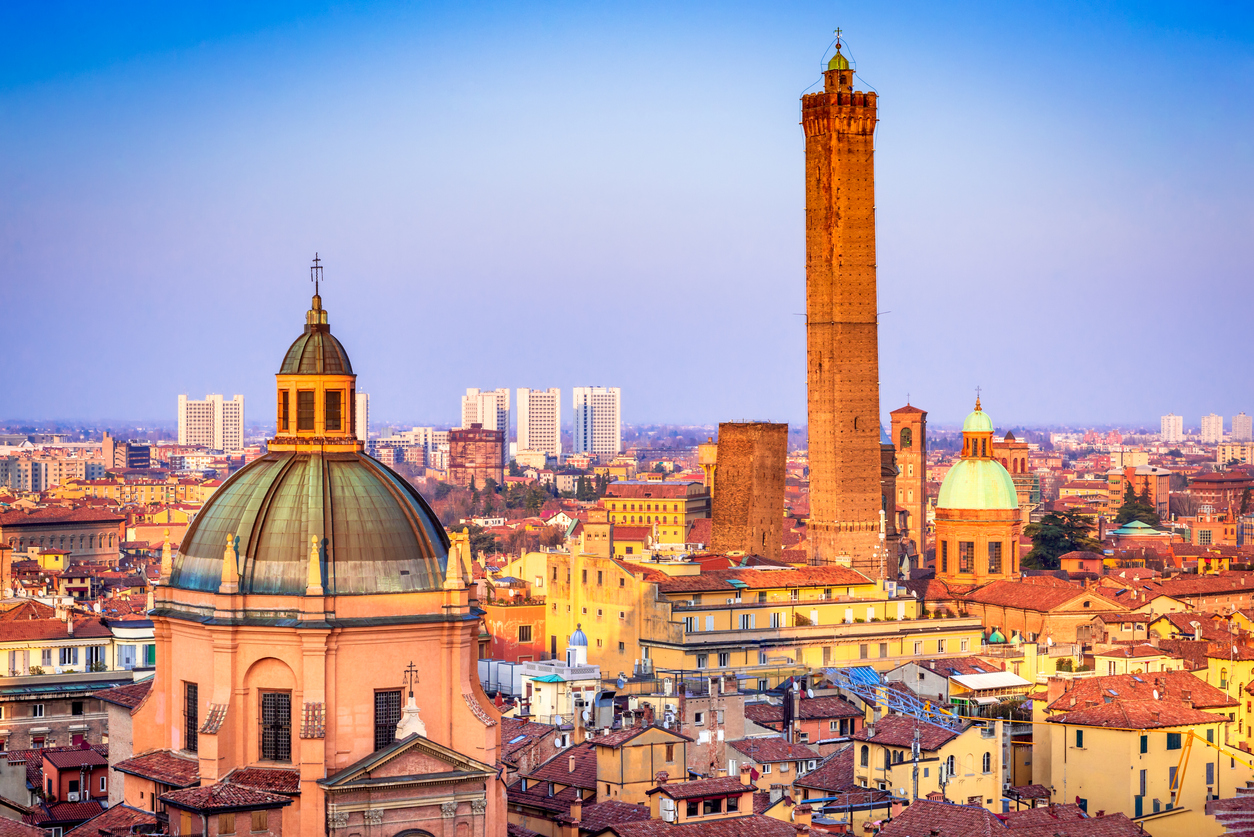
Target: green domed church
{"x": 977, "y": 511}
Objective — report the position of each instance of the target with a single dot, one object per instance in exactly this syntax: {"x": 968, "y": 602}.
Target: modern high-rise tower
{"x": 598, "y": 420}
{"x": 540, "y": 420}
{"x": 842, "y": 348}
{"x": 488, "y": 408}
{"x": 215, "y": 423}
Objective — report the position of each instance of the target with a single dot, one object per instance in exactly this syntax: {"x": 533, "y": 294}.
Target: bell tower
{"x": 842, "y": 349}
{"x": 316, "y": 398}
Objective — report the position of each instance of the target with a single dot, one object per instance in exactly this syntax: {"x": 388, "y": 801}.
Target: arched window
{"x": 888, "y": 759}
{"x": 907, "y": 438}
{"x": 988, "y": 763}
{"x": 970, "y": 764}
{"x": 865, "y": 758}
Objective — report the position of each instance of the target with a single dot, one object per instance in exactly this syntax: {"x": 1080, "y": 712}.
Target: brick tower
{"x": 910, "y": 441}
{"x": 749, "y": 502}
{"x": 842, "y": 351}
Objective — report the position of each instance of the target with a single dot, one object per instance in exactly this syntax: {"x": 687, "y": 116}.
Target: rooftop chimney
{"x": 576, "y": 810}
{"x": 746, "y": 775}
{"x": 661, "y": 777}
{"x": 572, "y": 764}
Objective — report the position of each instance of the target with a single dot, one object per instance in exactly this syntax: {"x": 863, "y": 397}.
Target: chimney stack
{"x": 746, "y": 775}
{"x": 661, "y": 777}
{"x": 572, "y": 764}
{"x": 576, "y": 810}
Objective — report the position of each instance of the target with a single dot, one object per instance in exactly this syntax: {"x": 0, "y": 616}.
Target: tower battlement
{"x": 840, "y": 112}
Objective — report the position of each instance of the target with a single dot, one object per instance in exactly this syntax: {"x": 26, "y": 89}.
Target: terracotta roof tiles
{"x": 1137, "y": 714}
{"x": 757, "y": 579}
{"x": 162, "y": 766}
{"x": 774, "y": 749}
{"x": 818, "y": 708}
{"x": 129, "y": 696}
{"x": 703, "y": 787}
{"x": 582, "y": 773}
{"x": 118, "y": 819}
{"x": 748, "y": 826}
{"x": 223, "y": 796}
{"x": 273, "y": 779}
{"x": 898, "y": 731}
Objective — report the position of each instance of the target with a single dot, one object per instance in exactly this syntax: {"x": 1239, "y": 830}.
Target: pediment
{"x": 411, "y": 758}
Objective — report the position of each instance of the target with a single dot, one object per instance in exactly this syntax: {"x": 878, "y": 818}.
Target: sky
{"x": 567, "y": 194}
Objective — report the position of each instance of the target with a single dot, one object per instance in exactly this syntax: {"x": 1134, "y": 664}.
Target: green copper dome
{"x": 381, "y": 536}
{"x": 978, "y": 422}
{"x": 838, "y": 62}
{"x": 996, "y": 636}
{"x": 977, "y": 484}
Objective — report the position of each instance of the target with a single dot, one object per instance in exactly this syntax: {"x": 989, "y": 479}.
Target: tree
{"x": 1176, "y": 453}
{"x": 514, "y": 470}
{"x": 490, "y": 486}
{"x": 1137, "y": 507}
{"x": 1245, "y": 501}
{"x": 1057, "y": 534}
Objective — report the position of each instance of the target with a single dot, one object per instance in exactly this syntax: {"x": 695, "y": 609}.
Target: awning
{"x": 985, "y": 701}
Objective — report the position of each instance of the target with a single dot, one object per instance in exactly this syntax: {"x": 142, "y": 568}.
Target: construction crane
{"x": 894, "y": 700}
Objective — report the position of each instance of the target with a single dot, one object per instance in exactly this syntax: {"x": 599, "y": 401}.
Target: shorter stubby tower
{"x": 748, "y": 513}
{"x": 909, "y": 426}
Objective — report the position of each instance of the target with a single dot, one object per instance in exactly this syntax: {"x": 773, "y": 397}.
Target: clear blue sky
{"x": 566, "y": 194}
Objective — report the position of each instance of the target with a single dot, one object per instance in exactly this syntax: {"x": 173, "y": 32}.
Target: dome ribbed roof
{"x": 578, "y": 639}
{"x": 977, "y": 484}
{"x": 838, "y": 62}
{"x": 977, "y": 422}
{"x": 381, "y": 535}
{"x": 316, "y": 352}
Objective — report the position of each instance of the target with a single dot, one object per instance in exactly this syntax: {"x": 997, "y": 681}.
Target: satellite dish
{"x": 557, "y": 720}
{"x": 622, "y": 683}
{"x": 809, "y": 693}
{"x": 1155, "y": 694}
{"x": 587, "y": 716}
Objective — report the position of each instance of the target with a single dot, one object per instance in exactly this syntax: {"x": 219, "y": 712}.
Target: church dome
{"x": 977, "y": 422}
{"x": 977, "y": 484}
{"x": 578, "y": 639}
{"x": 315, "y": 515}
{"x": 838, "y": 62}
{"x": 316, "y": 353}
{"x": 380, "y": 535}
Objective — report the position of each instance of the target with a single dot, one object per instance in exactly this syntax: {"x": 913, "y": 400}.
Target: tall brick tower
{"x": 910, "y": 441}
{"x": 842, "y": 351}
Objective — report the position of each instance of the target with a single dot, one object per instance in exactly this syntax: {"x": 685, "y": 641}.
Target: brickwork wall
{"x": 842, "y": 350}
{"x": 475, "y": 452}
{"x": 749, "y": 497}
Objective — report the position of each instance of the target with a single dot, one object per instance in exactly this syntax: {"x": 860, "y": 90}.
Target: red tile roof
{"x": 273, "y": 779}
{"x": 763, "y": 750}
{"x": 162, "y": 766}
{"x": 719, "y": 785}
{"x": 834, "y": 774}
{"x": 118, "y": 819}
{"x": 61, "y": 759}
{"x": 818, "y": 708}
{"x": 898, "y": 731}
{"x": 1137, "y": 714}
{"x": 610, "y": 812}
{"x": 516, "y": 728}
{"x": 647, "y": 491}
{"x": 701, "y": 530}
{"x": 758, "y": 579}
{"x": 1111, "y": 825}
{"x": 949, "y": 666}
{"x": 44, "y": 517}
{"x": 558, "y": 769}
{"x": 38, "y": 629}
{"x": 224, "y": 796}
{"x": 129, "y": 696}
{"x": 1040, "y": 597}
{"x": 13, "y": 828}
{"x": 753, "y": 825}
{"x": 64, "y": 812}
{"x": 1167, "y": 685}
{"x": 943, "y": 819}
{"x": 618, "y": 737}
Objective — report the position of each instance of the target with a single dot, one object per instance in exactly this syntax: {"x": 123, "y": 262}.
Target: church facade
{"x": 314, "y": 605}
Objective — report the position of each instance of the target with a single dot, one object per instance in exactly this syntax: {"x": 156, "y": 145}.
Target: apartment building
{"x": 214, "y": 422}
{"x": 540, "y": 421}
{"x": 598, "y": 420}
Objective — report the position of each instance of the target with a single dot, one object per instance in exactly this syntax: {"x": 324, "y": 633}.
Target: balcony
{"x": 843, "y": 631}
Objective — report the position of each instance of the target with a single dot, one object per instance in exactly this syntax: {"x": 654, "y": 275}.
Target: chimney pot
{"x": 661, "y": 777}
{"x": 572, "y": 764}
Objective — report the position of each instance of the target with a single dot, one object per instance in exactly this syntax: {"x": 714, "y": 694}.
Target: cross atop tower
{"x": 978, "y": 390}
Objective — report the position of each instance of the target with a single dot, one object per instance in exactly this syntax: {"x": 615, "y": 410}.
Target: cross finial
{"x": 978, "y": 390}
{"x": 411, "y": 677}
{"x": 315, "y": 272}
{"x": 838, "y": 31}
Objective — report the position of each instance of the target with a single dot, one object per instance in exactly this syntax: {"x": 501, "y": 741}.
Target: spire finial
{"x": 978, "y": 390}
{"x": 315, "y": 273}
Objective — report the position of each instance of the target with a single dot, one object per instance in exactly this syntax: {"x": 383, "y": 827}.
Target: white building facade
{"x": 215, "y": 422}
{"x": 1171, "y": 428}
{"x": 1242, "y": 428}
{"x": 363, "y": 419}
{"x": 598, "y": 420}
{"x": 1212, "y": 429}
{"x": 540, "y": 421}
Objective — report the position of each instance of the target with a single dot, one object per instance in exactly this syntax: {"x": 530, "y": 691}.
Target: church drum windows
{"x": 305, "y": 403}
{"x": 966, "y": 556}
{"x": 994, "y": 556}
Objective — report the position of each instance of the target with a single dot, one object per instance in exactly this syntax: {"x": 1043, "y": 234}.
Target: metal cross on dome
{"x": 315, "y": 272}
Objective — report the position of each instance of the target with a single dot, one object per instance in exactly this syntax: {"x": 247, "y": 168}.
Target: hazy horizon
{"x": 573, "y": 194}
